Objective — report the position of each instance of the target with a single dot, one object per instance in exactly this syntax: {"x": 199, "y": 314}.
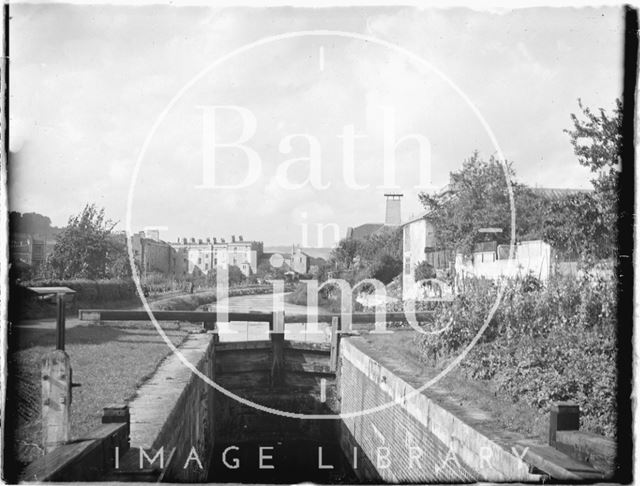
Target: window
{"x": 199, "y": 260}
{"x": 407, "y": 240}
{"x": 407, "y": 266}
{"x": 206, "y": 266}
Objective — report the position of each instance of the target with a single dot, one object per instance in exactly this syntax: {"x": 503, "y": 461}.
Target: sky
{"x": 214, "y": 142}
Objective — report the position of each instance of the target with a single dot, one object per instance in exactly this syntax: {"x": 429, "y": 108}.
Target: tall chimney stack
{"x": 393, "y": 215}
{"x": 233, "y": 238}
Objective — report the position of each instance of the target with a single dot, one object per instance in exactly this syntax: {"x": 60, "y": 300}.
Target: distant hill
{"x": 312, "y": 252}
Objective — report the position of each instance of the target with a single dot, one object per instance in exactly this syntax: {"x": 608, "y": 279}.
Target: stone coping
{"x": 157, "y": 398}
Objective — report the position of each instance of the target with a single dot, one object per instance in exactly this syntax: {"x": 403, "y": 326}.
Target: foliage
{"x": 84, "y": 249}
{"x": 477, "y": 197}
{"x": 575, "y": 227}
{"x": 30, "y": 223}
{"x": 377, "y": 256}
{"x": 266, "y": 271}
{"x": 543, "y": 344}
{"x": 424, "y": 271}
{"x": 88, "y": 292}
{"x": 385, "y": 268}
{"x": 236, "y": 277}
{"x": 597, "y": 142}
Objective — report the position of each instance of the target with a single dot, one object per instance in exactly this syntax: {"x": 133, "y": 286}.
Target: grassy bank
{"x": 544, "y": 344}
{"x": 110, "y": 361}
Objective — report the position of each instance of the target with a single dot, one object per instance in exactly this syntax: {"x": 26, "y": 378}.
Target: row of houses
{"x": 203, "y": 255}
{"x": 177, "y": 260}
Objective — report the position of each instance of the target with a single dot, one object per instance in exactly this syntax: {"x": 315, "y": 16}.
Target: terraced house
{"x": 203, "y": 255}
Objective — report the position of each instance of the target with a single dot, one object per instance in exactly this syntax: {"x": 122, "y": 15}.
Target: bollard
{"x": 563, "y": 416}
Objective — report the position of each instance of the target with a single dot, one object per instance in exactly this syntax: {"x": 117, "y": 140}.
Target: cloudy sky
{"x": 89, "y": 83}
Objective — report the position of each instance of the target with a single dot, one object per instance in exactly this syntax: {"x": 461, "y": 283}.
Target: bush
{"x": 424, "y": 271}
{"x": 544, "y": 344}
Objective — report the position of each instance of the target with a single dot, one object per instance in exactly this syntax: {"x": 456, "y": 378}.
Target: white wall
{"x": 416, "y": 236}
{"x": 532, "y": 257}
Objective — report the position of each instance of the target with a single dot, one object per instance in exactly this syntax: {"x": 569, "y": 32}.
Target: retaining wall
{"x": 416, "y": 439}
{"x": 174, "y": 410}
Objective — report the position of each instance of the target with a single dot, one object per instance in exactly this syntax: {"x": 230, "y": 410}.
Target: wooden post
{"x": 335, "y": 336}
{"x": 60, "y": 321}
{"x": 56, "y": 399}
{"x": 277, "y": 349}
{"x": 563, "y": 416}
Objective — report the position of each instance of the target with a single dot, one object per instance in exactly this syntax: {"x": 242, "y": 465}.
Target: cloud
{"x": 88, "y": 83}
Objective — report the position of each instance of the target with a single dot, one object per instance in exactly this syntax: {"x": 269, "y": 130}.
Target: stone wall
{"x": 416, "y": 439}
{"x": 174, "y": 411}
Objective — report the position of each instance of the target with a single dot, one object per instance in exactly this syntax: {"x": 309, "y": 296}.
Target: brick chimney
{"x": 393, "y": 215}
{"x": 240, "y": 238}
{"x": 233, "y": 238}
{"x": 215, "y": 240}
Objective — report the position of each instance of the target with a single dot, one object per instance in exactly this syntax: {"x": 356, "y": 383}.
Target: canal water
{"x": 259, "y": 331}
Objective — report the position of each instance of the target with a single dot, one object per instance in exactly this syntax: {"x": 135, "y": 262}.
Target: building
{"x": 30, "y": 249}
{"x": 488, "y": 259}
{"x": 418, "y": 245}
{"x": 393, "y": 219}
{"x": 156, "y": 256}
{"x": 299, "y": 261}
{"x": 153, "y": 255}
{"x": 201, "y": 256}
{"x": 492, "y": 261}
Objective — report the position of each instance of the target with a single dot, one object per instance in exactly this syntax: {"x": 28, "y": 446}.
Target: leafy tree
{"x": 31, "y": 223}
{"x": 424, "y": 271}
{"x": 377, "y": 256}
{"x": 235, "y": 275}
{"x": 385, "y": 268}
{"x": 84, "y": 248}
{"x": 596, "y": 138}
{"x": 343, "y": 256}
{"x": 118, "y": 264}
{"x": 266, "y": 271}
{"x": 478, "y": 197}
{"x": 575, "y": 228}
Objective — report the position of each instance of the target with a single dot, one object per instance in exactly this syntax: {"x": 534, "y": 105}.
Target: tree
{"x": 84, "y": 248}
{"x": 377, "y": 256}
{"x": 343, "y": 256}
{"x": 597, "y": 142}
{"x": 478, "y": 197}
{"x": 386, "y": 268}
{"x": 235, "y": 275}
{"x": 31, "y": 223}
{"x": 424, "y": 271}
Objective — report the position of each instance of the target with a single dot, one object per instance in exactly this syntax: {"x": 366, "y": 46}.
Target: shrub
{"x": 424, "y": 271}
{"x": 543, "y": 344}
